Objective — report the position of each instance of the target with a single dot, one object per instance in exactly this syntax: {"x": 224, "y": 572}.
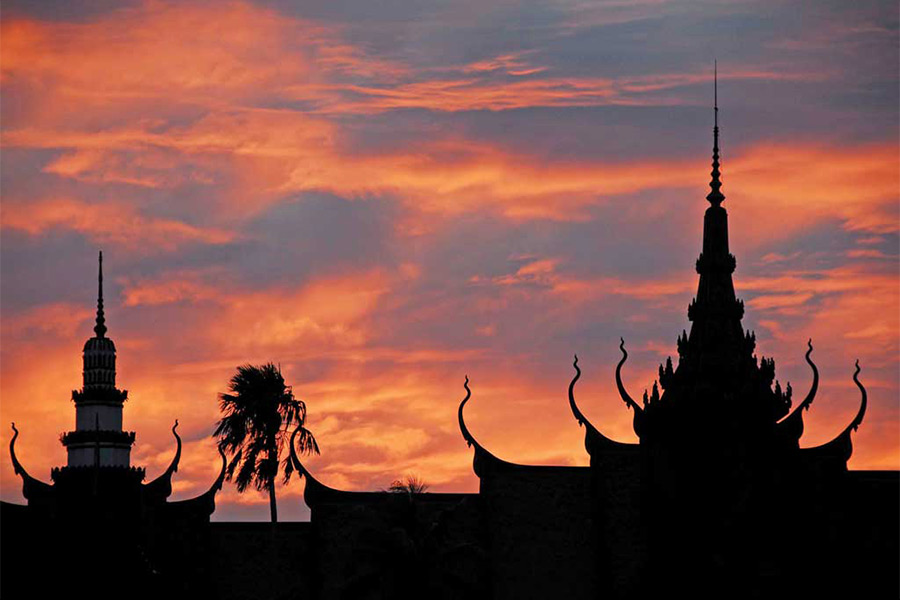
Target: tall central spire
{"x": 715, "y": 197}
{"x": 100, "y": 327}
{"x": 717, "y": 337}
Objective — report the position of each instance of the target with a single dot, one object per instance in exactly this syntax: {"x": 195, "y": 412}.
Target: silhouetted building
{"x": 98, "y": 528}
{"x": 716, "y": 500}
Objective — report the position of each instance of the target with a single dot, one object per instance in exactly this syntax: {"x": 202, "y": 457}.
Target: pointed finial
{"x": 715, "y": 197}
{"x": 716, "y": 91}
{"x": 100, "y": 327}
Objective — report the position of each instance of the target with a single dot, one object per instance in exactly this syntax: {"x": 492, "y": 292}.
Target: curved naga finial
{"x": 295, "y": 460}
{"x": 842, "y": 446}
{"x": 207, "y": 500}
{"x": 162, "y": 485}
{"x": 622, "y": 392}
{"x": 593, "y": 439}
{"x": 467, "y": 435}
{"x": 315, "y": 490}
{"x": 17, "y": 467}
{"x": 483, "y": 459}
{"x": 792, "y": 424}
{"x": 217, "y": 484}
{"x": 863, "y": 404}
{"x": 30, "y": 486}
{"x": 579, "y": 416}
{"x": 815, "y": 384}
{"x": 629, "y": 402}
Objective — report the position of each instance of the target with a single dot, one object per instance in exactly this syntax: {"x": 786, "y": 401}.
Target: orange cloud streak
{"x": 109, "y": 222}
{"x": 278, "y": 152}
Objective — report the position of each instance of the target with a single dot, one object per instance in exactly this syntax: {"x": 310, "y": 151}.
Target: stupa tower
{"x": 718, "y": 389}
{"x": 98, "y": 439}
{"x": 99, "y": 451}
{"x": 98, "y": 529}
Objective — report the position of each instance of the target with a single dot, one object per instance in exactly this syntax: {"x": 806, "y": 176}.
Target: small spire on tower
{"x": 100, "y": 327}
{"x": 715, "y": 197}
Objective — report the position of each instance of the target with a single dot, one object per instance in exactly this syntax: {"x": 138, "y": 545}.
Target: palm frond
{"x": 412, "y": 485}
{"x": 259, "y": 413}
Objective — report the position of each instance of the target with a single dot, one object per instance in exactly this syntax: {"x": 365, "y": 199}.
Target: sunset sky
{"x": 386, "y": 196}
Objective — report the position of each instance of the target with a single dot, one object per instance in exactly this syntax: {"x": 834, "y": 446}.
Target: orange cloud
{"x": 474, "y": 93}
{"x": 110, "y": 222}
{"x": 213, "y": 54}
{"x": 274, "y": 152}
{"x": 174, "y": 287}
{"x": 59, "y": 319}
{"x": 210, "y": 54}
{"x": 188, "y": 49}
{"x": 325, "y": 311}
{"x": 804, "y": 184}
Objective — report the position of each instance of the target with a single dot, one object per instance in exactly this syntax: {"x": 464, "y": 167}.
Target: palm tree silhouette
{"x": 257, "y": 412}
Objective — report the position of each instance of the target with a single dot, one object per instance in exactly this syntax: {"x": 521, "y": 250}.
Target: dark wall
{"x": 45, "y": 554}
{"x": 393, "y": 546}
{"x": 621, "y": 529}
{"x": 530, "y": 533}
{"x": 541, "y": 536}
{"x": 872, "y": 524}
{"x": 262, "y": 561}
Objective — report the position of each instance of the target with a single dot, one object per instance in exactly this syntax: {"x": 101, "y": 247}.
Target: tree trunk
{"x": 273, "y": 508}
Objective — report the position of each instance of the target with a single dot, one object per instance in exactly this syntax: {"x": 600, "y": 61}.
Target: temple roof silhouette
{"x": 718, "y": 377}
{"x": 98, "y": 449}
{"x": 696, "y": 505}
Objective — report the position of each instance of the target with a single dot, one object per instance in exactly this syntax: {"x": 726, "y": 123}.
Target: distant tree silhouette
{"x": 412, "y": 485}
{"x": 406, "y": 552}
{"x": 258, "y": 411}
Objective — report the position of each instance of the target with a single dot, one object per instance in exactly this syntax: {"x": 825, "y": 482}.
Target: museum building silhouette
{"x": 717, "y": 499}
{"x": 98, "y": 528}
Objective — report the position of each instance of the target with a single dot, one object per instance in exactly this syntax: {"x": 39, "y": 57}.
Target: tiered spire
{"x": 100, "y": 351}
{"x": 715, "y": 197}
{"x": 98, "y": 438}
{"x": 718, "y": 379}
{"x": 715, "y": 312}
{"x": 100, "y": 327}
